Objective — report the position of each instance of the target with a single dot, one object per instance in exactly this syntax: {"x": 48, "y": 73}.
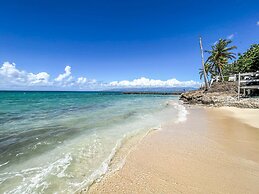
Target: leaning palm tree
{"x": 210, "y": 72}
{"x": 220, "y": 53}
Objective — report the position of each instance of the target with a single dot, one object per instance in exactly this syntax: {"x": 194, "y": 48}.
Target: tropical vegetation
{"x": 221, "y": 60}
{"x": 246, "y": 62}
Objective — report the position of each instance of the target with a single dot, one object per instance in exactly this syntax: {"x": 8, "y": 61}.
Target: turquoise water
{"x": 61, "y": 141}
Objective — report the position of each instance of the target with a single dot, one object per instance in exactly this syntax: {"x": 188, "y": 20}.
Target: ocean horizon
{"x": 133, "y": 89}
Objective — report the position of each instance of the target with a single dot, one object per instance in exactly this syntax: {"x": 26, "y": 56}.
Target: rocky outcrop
{"x": 221, "y": 95}
{"x": 225, "y": 87}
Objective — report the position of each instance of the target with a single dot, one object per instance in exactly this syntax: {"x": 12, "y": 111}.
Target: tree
{"x": 231, "y": 69}
{"x": 207, "y": 71}
{"x": 220, "y": 53}
{"x": 203, "y": 67}
{"x": 249, "y": 60}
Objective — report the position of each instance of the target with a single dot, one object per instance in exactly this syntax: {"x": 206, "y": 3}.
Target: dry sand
{"x": 248, "y": 116}
{"x": 209, "y": 153}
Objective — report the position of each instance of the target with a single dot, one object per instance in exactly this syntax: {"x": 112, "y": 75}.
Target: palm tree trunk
{"x": 221, "y": 74}
{"x": 203, "y": 66}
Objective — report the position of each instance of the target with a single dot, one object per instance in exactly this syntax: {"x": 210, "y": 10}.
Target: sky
{"x": 100, "y": 44}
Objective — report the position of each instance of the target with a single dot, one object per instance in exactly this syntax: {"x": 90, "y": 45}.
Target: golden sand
{"x": 209, "y": 153}
{"x": 248, "y": 116}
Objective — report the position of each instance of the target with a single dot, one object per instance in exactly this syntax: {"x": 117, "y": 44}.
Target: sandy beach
{"x": 215, "y": 151}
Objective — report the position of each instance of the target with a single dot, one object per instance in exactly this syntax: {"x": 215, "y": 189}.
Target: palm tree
{"x": 203, "y": 66}
{"x": 220, "y": 53}
{"x": 201, "y": 71}
{"x": 208, "y": 71}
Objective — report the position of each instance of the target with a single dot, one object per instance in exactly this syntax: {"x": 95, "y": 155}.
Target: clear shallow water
{"x": 60, "y": 141}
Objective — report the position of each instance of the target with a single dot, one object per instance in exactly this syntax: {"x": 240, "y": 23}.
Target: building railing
{"x": 247, "y": 82}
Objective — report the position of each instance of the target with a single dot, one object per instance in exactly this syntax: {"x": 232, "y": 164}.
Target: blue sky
{"x": 106, "y": 42}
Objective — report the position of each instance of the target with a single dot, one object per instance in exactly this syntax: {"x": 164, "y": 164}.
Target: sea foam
{"x": 105, "y": 167}
{"x": 182, "y": 112}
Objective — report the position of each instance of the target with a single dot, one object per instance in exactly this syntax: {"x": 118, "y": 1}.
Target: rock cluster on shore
{"x": 221, "y": 94}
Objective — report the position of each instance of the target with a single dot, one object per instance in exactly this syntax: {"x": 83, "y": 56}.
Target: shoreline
{"x": 117, "y": 158}
{"x": 129, "y": 143}
{"x": 147, "y": 168}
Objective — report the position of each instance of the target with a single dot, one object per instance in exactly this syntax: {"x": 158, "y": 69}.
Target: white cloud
{"x": 13, "y": 78}
{"x": 257, "y": 23}
{"x": 42, "y": 78}
{"x": 10, "y": 75}
{"x": 146, "y": 82}
{"x": 64, "y": 76}
{"x": 65, "y": 79}
{"x": 231, "y": 36}
{"x": 81, "y": 80}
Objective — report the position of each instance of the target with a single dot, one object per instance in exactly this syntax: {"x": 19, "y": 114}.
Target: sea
{"x": 62, "y": 142}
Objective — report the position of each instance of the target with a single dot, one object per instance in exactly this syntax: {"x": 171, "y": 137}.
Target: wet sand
{"x": 212, "y": 152}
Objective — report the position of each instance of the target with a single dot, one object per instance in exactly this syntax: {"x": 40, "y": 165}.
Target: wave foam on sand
{"x": 182, "y": 111}
{"x": 105, "y": 169}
